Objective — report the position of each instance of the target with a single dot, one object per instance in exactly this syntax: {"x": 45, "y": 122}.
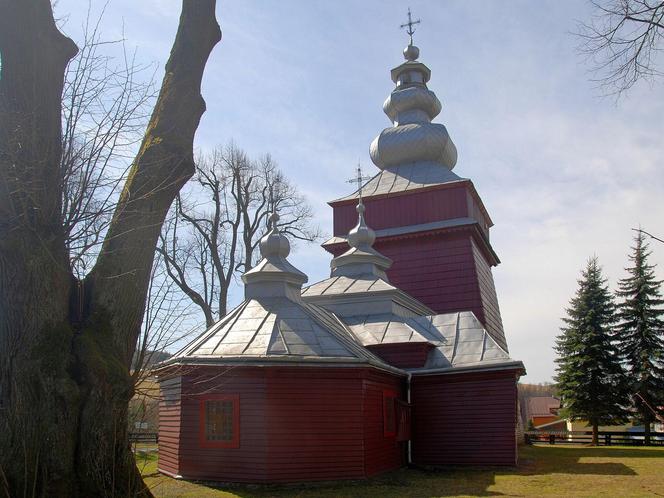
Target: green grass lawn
{"x": 543, "y": 471}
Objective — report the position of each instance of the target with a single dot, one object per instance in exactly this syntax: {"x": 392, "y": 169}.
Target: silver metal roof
{"x": 379, "y": 313}
{"x": 274, "y": 324}
{"x": 276, "y": 328}
{"x": 460, "y": 339}
{"x": 406, "y": 176}
{"x": 347, "y": 285}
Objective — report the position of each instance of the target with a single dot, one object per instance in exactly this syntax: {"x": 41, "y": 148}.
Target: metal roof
{"x": 348, "y": 285}
{"x": 459, "y": 338}
{"x": 407, "y": 176}
{"x": 276, "y": 330}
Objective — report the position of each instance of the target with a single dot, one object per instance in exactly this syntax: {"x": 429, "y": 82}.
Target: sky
{"x": 564, "y": 172}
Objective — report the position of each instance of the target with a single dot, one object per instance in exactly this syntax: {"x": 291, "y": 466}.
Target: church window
{"x": 389, "y": 414}
{"x": 220, "y": 421}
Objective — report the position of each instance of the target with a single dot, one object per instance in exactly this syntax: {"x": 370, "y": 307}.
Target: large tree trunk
{"x": 65, "y": 348}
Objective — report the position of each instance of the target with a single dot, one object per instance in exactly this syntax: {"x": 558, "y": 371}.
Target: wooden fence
{"x": 144, "y": 437}
{"x": 606, "y": 438}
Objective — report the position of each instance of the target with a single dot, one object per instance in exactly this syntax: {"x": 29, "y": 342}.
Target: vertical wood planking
{"x": 467, "y": 419}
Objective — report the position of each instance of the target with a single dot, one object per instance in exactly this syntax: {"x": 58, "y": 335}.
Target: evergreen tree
{"x": 641, "y": 333}
{"x": 589, "y": 374}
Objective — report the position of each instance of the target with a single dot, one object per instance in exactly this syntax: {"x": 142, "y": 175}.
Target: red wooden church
{"x": 398, "y": 358}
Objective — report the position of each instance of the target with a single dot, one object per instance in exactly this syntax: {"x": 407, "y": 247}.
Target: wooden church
{"x": 399, "y": 358}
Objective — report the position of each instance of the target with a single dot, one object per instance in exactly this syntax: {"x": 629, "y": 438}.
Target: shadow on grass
{"x": 451, "y": 481}
{"x": 412, "y": 483}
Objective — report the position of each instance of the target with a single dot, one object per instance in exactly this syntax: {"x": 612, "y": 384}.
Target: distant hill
{"x": 153, "y": 357}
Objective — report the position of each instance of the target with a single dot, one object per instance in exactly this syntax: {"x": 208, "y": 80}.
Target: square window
{"x": 220, "y": 421}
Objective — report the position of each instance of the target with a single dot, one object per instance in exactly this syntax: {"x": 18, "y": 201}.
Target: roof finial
{"x": 410, "y": 25}
{"x": 272, "y": 215}
{"x": 359, "y": 179}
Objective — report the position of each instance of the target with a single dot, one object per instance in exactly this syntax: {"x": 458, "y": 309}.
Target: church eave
{"x": 479, "y": 367}
{"x": 272, "y": 361}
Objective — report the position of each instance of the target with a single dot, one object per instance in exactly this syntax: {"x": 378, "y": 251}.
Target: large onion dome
{"x": 411, "y": 107}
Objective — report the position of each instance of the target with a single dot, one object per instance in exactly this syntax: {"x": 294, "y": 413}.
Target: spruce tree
{"x": 589, "y": 374}
{"x": 641, "y": 334}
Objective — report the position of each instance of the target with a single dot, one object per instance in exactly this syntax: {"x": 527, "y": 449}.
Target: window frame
{"x": 390, "y": 395}
{"x": 234, "y": 442}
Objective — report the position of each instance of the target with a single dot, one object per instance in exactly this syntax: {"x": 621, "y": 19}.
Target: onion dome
{"x": 273, "y": 275}
{"x": 361, "y": 258}
{"x": 411, "y": 107}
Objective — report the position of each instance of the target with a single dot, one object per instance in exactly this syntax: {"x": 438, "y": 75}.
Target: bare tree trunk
{"x": 64, "y": 375}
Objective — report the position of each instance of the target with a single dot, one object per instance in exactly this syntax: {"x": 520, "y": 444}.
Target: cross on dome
{"x": 411, "y": 52}
{"x": 410, "y": 25}
{"x": 359, "y": 179}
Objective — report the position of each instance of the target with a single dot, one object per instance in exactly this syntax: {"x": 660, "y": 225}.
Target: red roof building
{"x": 398, "y": 358}
{"x": 543, "y": 410}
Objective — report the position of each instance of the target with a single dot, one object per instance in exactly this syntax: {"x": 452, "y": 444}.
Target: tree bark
{"x": 595, "y": 439}
{"x": 64, "y": 369}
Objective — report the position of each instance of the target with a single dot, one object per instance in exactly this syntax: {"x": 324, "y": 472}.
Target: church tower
{"x": 428, "y": 220}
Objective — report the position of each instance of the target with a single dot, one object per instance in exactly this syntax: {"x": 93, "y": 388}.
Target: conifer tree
{"x": 641, "y": 334}
{"x": 589, "y": 374}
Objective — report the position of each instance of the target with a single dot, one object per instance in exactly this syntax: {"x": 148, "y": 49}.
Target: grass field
{"x": 543, "y": 471}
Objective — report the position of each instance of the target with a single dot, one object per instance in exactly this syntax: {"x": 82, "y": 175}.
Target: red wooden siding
{"x": 315, "y": 424}
{"x": 381, "y": 453}
{"x": 413, "y": 208}
{"x": 403, "y": 355}
{"x": 296, "y": 424}
{"x": 467, "y": 419}
{"x": 247, "y": 463}
{"x": 169, "y": 425}
{"x": 490, "y": 310}
{"x": 438, "y": 270}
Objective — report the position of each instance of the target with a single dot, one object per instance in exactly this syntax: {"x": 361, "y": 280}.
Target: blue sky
{"x": 563, "y": 172}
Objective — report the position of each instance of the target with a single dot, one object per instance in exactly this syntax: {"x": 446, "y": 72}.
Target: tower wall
{"x": 438, "y": 240}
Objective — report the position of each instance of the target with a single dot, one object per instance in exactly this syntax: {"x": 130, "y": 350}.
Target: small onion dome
{"x": 361, "y": 235}
{"x": 411, "y": 52}
{"x": 273, "y": 275}
{"x": 274, "y": 244}
{"x": 361, "y": 258}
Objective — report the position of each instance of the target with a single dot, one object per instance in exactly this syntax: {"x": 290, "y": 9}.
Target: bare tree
{"x": 105, "y": 109}
{"x": 169, "y": 319}
{"x": 65, "y": 377}
{"x": 216, "y": 226}
{"x": 623, "y": 40}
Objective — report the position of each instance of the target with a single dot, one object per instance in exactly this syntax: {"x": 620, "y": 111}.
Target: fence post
{"x": 552, "y": 439}
{"x": 607, "y": 439}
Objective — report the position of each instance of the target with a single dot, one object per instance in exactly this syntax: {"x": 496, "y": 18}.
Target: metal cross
{"x": 359, "y": 179}
{"x": 410, "y": 25}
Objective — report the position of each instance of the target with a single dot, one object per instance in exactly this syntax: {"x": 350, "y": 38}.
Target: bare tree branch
{"x": 222, "y": 222}
{"x": 623, "y": 41}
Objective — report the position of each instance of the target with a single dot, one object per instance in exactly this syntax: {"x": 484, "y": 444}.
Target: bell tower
{"x": 428, "y": 220}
